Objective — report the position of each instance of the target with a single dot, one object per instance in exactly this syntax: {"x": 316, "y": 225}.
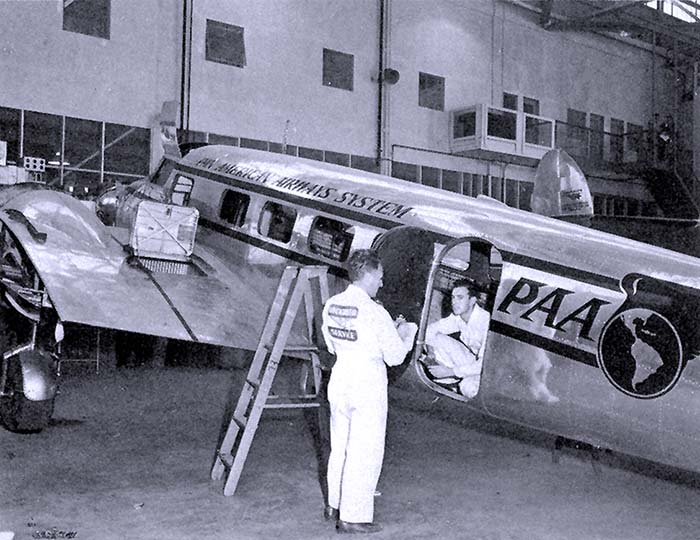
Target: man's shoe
{"x": 357, "y": 528}
{"x": 330, "y": 513}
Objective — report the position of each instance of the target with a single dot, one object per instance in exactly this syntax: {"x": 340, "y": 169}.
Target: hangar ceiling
{"x": 632, "y": 19}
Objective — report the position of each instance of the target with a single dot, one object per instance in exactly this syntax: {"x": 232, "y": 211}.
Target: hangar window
{"x": 330, "y": 238}
{"x": 277, "y": 221}
{"x": 89, "y": 17}
{"x": 338, "y": 69}
{"x": 431, "y": 91}
{"x": 225, "y": 44}
{"x": 234, "y": 207}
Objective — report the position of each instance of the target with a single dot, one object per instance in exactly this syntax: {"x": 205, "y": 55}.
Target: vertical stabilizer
{"x": 561, "y": 189}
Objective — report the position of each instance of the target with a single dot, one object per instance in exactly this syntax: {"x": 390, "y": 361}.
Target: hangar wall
{"x": 481, "y": 49}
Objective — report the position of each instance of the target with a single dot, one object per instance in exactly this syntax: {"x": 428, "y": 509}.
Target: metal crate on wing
{"x": 164, "y": 231}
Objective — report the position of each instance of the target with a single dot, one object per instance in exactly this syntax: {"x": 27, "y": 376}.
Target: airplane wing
{"x": 89, "y": 279}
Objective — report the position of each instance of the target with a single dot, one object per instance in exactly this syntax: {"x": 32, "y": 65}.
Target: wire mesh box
{"x": 164, "y": 231}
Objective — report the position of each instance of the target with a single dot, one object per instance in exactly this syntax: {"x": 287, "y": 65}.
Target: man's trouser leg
{"x": 363, "y": 462}
{"x": 340, "y": 429}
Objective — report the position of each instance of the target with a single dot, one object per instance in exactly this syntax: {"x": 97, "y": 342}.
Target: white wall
{"x": 480, "y": 47}
{"x": 122, "y": 80}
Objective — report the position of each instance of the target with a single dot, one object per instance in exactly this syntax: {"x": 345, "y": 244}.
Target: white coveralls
{"x": 362, "y": 335}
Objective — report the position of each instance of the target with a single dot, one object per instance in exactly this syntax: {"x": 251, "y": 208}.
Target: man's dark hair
{"x": 468, "y": 284}
{"x": 362, "y": 261}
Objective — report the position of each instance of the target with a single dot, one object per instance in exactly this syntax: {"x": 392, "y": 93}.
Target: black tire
{"x": 18, "y": 413}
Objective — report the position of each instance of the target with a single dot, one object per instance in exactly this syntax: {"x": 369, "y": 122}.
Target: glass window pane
{"x": 9, "y": 132}
{"x": 42, "y": 137}
{"x": 464, "y": 124}
{"x": 89, "y": 17}
{"x": 430, "y": 176}
{"x": 331, "y": 239}
{"x": 405, "y": 171}
{"x": 225, "y": 44}
{"x": 338, "y": 69}
{"x": 364, "y": 163}
{"x": 234, "y": 207}
{"x": 223, "y": 139}
{"x": 431, "y": 91}
{"x": 337, "y": 158}
{"x": 538, "y": 131}
{"x": 525, "y": 195}
{"x": 510, "y": 101}
{"x": 277, "y": 222}
{"x": 531, "y": 106}
{"x": 511, "y": 198}
{"x": 82, "y": 184}
{"x": 451, "y": 181}
{"x": 501, "y": 124}
{"x": 127, "y": 149}
{"x": 83, "y": 144}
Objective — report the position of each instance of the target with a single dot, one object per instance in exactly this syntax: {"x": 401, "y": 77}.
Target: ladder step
{"x": 291, "y": 402}
{"x": 255, "y": 383}
{"x": 301, "y": 348}
{"x": 240, "y": 421}
{"x": 226, "y": 459}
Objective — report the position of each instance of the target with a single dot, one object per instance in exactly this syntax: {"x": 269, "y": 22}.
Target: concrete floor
{"x": 130, "y": 451}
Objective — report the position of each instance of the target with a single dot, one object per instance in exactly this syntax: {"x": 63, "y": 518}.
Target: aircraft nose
{"x": 106, "y": 206}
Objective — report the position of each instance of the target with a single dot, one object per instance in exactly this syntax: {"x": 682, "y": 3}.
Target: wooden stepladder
{"x": 307, "y": 285}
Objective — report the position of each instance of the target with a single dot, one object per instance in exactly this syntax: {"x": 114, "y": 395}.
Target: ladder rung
{"x": 240, "y": 421}
{"x": 301, "y": 348}
{"x": 226, "y": 459}
{"x": 291, "y": 402}
{"x": 255, "y": 383}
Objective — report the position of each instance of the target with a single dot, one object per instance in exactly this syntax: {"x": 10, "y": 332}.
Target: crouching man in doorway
{"x": 365, "y": 340}
{"x": 459, "y": 359}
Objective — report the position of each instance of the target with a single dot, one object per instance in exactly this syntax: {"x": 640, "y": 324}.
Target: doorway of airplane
{"x": 407, "y": 254}
{"x": 457, "y": 314}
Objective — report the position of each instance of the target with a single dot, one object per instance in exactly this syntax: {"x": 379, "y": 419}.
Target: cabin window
{"x": 234, "y": 207}
{"x": 330, "y": 238}
{"x": 277, "y": 222}
{"x": 225, "y": 44}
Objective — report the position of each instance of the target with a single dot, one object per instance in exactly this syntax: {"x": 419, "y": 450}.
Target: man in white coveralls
{"x": 365, "y": 340}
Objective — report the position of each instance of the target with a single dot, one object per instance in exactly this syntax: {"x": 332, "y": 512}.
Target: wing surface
{"x": 89, "y": 279}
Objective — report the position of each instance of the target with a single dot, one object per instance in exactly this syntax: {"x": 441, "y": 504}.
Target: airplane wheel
{"x": 18, "y": 413}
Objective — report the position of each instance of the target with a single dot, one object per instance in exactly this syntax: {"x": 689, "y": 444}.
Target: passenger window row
{"x": 327, "y": 237}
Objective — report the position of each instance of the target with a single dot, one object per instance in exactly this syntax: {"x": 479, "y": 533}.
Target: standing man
{"x": 365, "y": 340}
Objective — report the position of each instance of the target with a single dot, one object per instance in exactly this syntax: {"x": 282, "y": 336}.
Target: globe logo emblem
{"x": 640, "y": 352}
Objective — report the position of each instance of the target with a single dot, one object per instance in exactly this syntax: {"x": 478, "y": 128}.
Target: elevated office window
{"x": 510, "y": 101}
{"x": 89, "y": 17}
{"x": 225, "y": 44}
{"x": 531, "y": 105}
{"x": 338, "y": 69}
{"x": 277, "y": 222}
{"x": 234, "y": 207}
{"x": 431, "y": 91}
{"x": 617, "y": 140}
{"x": 331, "y": 239}
{"x": 577, "y": 134}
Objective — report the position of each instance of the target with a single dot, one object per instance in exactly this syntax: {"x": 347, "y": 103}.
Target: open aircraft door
{"x": 407, "y": 254}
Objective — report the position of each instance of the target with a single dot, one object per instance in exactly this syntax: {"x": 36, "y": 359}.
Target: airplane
{"x": 593, "y": 337}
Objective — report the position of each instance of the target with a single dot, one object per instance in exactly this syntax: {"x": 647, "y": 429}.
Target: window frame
{"x": 335, "y": 72}
{"x": 343, "y": 230}
{"x": 83, "y": 22}
{"x": 241, "y": 210}
{"x": 431, "y": 91}
{"x": 230, "y": 39}
{"x": 267, "y": 213}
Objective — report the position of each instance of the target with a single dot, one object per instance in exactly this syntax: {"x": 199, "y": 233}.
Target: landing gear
{"x": 27, "y": 373}
{"x": 18, "y": 412}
